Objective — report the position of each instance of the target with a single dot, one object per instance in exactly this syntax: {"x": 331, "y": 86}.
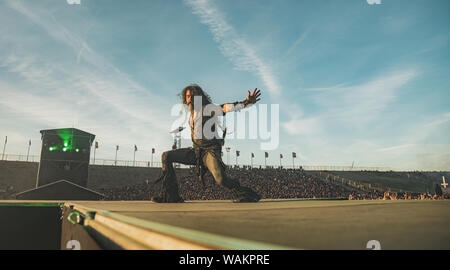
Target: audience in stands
{"x": 269, "y": 183}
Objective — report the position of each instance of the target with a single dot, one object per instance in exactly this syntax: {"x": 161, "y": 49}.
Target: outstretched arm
{"x": 252, "y": 98}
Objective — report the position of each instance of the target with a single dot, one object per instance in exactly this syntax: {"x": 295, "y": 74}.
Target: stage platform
{"x": 268, "y": 224}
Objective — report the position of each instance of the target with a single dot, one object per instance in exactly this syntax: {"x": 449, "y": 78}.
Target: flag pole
{"x": 28, "y": 152}
{"x": 294, "y": 155}
{"x": 95, "y": 149}
{"x": 115, "y": 160}
{"x": 134, "y": 156}
{"x": 228, "y": 155}
{"x": 4, "y": 147}
{"x": 153, "y": 151}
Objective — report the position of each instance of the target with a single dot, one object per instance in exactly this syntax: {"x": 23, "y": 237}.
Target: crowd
{"x": 380, "y": 195}
{"x": 269, "y": 183}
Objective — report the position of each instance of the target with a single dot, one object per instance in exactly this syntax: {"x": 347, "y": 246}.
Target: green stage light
{"x": 51, "y": 148}
{"x": 77, "y": 150}
{"x": 65, "y": 144}
{"x": 64, "y": 149}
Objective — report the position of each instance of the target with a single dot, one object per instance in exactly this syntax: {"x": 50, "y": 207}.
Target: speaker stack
{"x": 64, "y": 167}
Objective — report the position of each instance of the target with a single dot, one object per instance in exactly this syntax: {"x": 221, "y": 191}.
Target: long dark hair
{"x": 196, "y": 90}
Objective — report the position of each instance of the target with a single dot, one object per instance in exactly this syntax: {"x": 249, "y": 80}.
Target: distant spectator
{"x": 270, "y": 183}
{"x": 438, "y": 190}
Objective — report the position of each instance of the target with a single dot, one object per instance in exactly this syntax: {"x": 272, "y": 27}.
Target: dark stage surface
{"x": 275, "y": 224}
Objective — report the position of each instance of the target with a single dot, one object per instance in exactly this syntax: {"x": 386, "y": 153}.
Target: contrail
{"x": 241, "y": 54}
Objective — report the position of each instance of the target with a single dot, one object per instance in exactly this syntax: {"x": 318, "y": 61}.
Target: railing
{"x": 131, "y": 163}
{"x": 124, "y": 163}
{"x": 140, "y": 163}
{"x": 345, "y": 168}
{"x": 355, "y": 184}
{"x": 106, "y": 162}
{"x": 29, "y": 158}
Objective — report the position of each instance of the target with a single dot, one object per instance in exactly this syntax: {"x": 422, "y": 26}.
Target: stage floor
{"x": 303, "y": 224}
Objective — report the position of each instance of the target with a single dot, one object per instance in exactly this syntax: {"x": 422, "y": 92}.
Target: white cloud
{"x": 441, "y": 119}
{"x": 242, "y": 55}
{"x": 423, "y": 145}
{"x": 306, "y": 126}
{"x": 358, "y": 104}
{"x": 297, "y": 42}
{"x": 55, "y": 92}
{"x": 362, "y": 103}
{"x": 330, "y": 135}
{"x": 395, "y": 148}
{"x": 371, "y": 2}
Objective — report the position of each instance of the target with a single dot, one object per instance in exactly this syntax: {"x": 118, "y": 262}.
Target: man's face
{"x": 189, "y": 97}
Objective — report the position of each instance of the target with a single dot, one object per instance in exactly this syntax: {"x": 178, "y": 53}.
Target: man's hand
{"x": 237, "y": 106}
{"x": 253, "y": 98}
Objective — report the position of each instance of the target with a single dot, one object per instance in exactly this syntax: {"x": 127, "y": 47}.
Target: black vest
{"x": 210, "y": 130}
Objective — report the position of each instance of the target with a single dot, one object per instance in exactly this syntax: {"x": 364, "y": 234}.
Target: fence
{"x": 343, "y": 168}
{"x": 29, "y": 158}
{"x": 140, "y": 163}
{"x": 106, "y": 162}
{"x": 354, "y": 184}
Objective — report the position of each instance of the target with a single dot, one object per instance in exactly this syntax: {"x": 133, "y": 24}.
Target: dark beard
{"x": 191, "y": 107}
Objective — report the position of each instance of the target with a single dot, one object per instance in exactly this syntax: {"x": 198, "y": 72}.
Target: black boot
{"x": 245, "y": 194}
{"x": 169, "y": 190}
{"x": 166, "y": 199}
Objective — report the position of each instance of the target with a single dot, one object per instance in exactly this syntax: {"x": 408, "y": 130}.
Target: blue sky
{"x": 355, "y": 82}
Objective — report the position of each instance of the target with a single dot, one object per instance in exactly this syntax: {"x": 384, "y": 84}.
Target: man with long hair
{"x": 207, "y": 147}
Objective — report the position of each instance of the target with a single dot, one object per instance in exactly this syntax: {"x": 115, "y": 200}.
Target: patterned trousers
{"x": 211, "y": 160}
